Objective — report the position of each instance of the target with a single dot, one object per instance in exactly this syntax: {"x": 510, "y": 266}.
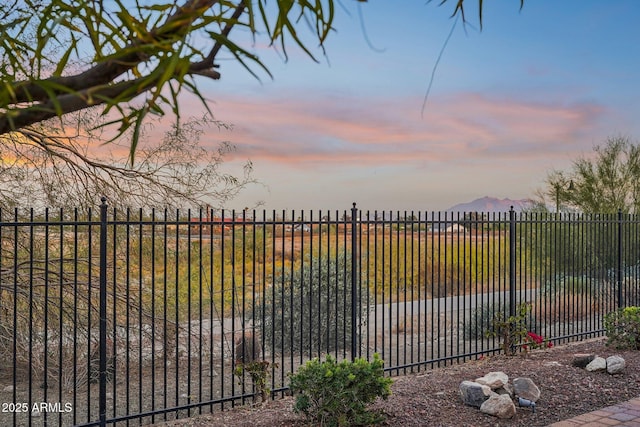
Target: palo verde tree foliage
{"x": 605, "y": 183}
{"x": 594, "y": 247}
{"x": 133, "y": 59}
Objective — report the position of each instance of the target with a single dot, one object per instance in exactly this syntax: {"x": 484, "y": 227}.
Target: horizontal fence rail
{"x": 119, "y": 317}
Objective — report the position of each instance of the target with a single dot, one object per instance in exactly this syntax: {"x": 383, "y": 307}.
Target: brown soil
{"x": 431, "y": 398}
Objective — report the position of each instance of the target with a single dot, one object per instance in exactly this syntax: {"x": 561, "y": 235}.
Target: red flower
{"x": 535, "y": 338}
{"x": 549, "y": 344}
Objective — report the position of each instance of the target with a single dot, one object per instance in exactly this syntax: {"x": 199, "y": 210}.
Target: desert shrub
{"x": 623, "y": 328}
{"x": 579, "y": 285}
{"x": 569, "y": 284}
{"x": 628, "y": 291}
{"x": 566, "y": 307}
{"x": 480, "y": 323}
{"x": 309, "y": 309}
{"x": 594, "y": 293}
{"x": 338, "y": 394}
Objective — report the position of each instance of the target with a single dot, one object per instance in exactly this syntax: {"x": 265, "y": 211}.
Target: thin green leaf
{"x": 136, "y": 134}
{"x": 158, "y": 7}
{"x": 239, "y": 53}
{"x": 65, "y": 57}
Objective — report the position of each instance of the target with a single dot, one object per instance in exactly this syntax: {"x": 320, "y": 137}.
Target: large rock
{"x": 506, "y": 389}
{"x": 526, "y": 388}
{"x": 597, "y": 364}
{"x": 499, "y": 405}
{"x": 494, "y": 380}
{"x": 615, "y": 364}
{"x": 581, "y": 360}
{"x": 474, "y": 394}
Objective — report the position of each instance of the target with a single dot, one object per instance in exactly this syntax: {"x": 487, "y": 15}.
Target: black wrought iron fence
{"x": 143, "y": 316}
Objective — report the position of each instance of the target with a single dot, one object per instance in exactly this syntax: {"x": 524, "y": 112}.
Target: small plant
{"x": 258, "y": 371}
{"x": 512, "y": 330}
{"x": 623, "y": 328}
{"x": 337, "y": 394}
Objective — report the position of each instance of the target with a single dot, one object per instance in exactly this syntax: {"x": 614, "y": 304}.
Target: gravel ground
{"x": 430, "y": 398}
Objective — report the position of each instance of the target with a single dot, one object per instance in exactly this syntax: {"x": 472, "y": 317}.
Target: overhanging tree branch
{"x": 139, "y": 48}
{"x": 72, "y": 102}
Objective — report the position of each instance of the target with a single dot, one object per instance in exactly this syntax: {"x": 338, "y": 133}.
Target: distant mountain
{"x": 491, "y": 204}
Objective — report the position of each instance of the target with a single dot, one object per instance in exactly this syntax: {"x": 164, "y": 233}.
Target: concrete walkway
{"x": 625, "y": 414}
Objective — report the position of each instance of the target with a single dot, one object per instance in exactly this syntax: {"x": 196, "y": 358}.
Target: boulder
{"x": 581, "y": 360}
{"x": 615, "y": 364}
{"x": 494, "y": 380}
{"x": 506, "y": 389}
{"x": 499, "y": 405}
{"x": 526, "y": 388}
{"x": 597, "y": 364}
{"x": 474, "y": 394}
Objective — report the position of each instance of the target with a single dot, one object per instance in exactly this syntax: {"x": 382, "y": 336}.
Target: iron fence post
{"x": 354, "y": 281}
{"x": 102, "y": 393}
{"x": 619, "y": 261}
{"x": 512, "y": 262}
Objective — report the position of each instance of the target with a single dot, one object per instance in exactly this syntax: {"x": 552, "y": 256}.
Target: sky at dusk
{"x": 530, "y": 93}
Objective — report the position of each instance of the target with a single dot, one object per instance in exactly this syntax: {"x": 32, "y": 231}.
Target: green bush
{"x": 623, "y": 328}
{"x": 480, "y": 323}
{"x": 337, "y": 394}
{"x": 308, "y": 310}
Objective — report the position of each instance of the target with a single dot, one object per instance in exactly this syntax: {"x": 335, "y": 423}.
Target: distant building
{"x": 455, "y": 228}
{"x": 447, "y": 227}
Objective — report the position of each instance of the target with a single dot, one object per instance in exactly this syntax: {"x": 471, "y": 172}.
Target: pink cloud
{"x": 340, "y": 129}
